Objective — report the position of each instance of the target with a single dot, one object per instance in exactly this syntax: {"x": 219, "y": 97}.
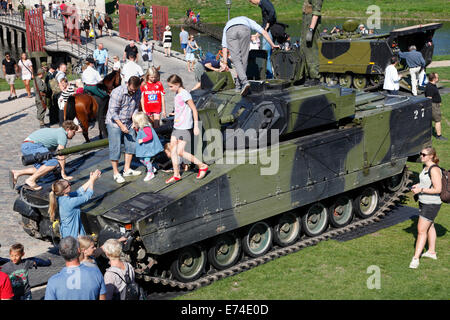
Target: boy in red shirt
{"x": 152, "y": 97}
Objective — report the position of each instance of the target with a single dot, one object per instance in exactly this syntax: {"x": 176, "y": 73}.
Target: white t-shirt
{"x": 116, "y": 65}
{"x": 183, "y": 113}
{"x": 91, "y": 76}
{"x": 391, "y": 78}
{"x": 23, "y": 66}
{"x": 130, "y": 69}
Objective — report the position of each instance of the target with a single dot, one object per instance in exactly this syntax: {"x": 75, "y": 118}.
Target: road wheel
{"x": 258, "y": 239}
{"x": 225, "y": 251}
{"x": 376, "y": 80}
{"x": 345, "y": 80}
{"x": 366, "y": 203}
{"x": 315, "y": 221}
{"x": 341, "y": 211}
{"x": 331, "y": 79}
{"x": 359, "y": 82}
{"x": 189, "y": 263}
{"x": 393, "y": 184}
{"x": 287, "y": 229}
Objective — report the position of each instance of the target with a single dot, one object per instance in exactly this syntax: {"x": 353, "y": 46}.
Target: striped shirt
{"x": 122, "y": 106}
{"x": 70, "y": 90}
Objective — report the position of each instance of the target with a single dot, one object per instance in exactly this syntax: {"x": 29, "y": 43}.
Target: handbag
{"x": 91, "y": 33}
{"x": 145, "y": 57}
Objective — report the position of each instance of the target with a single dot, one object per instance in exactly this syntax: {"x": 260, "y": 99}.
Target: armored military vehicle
{"x": 354, "y": 60}
{"x": 289, "y": 166}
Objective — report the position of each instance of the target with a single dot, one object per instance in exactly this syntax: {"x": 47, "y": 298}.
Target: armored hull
{"x": 286, "y": 162}
{"x": 359, "y": 61}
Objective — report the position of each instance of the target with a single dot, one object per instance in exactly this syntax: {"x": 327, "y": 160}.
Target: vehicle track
{"x": 213, "y": 275}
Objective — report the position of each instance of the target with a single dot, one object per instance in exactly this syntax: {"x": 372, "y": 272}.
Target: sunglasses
{"x": 423, "y": 154}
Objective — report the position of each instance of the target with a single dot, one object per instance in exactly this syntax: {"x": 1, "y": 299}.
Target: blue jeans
{"x": 102, "y": 69}
{"x": 266, "y": 46}
{"x": 115, "y": 136}
{"x": 28, "y": 148}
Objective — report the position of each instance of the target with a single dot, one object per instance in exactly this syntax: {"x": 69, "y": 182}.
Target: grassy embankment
{"x": 215, "y": 11}
{"x": 338, "y": 270}
{"x": 18, "y": 84}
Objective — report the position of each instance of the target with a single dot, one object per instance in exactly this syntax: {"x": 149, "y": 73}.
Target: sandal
{"x": 12, "y": 181}
{"x": 202, "y": 173}
{"x": 172, "y": 179}
{"x": 34, "y": 188}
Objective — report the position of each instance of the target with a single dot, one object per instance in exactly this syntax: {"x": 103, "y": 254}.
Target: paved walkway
{"x": 18, "y": 119}
{"x": 437, "y": 64}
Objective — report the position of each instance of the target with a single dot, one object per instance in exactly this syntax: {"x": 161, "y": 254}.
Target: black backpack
{"x": 132, "y": 290}
{"x": 445, "y": 191}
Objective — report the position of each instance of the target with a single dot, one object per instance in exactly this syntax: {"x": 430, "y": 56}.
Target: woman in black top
{"x": 109, "y": 25}
{"x": 86, "y": 26}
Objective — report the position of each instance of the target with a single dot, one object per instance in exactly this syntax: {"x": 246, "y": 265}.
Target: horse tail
{"x": 70, "y": 108}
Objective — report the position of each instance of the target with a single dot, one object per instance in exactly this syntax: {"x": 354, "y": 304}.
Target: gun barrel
{"x": 83, "y": 147}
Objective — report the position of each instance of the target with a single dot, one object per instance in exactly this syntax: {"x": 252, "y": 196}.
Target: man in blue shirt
{"x": 236, "y": 39}
{"x": 416, "y": 65}
{"x": 76, "y": 281}
{"x": 101, "y": 58}
{"x": 184, "y": 37}
{"x": 43, "y": 141}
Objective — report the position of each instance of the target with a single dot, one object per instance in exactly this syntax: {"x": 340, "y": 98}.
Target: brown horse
{"x": 86, "y": 107}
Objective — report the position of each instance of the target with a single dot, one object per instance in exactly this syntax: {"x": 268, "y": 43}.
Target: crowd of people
{"x": 135, "y": 109}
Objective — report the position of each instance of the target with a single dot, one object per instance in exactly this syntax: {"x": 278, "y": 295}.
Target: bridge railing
{"x": 14, "y": 19}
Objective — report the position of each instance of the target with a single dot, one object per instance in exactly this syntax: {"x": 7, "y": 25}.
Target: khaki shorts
{"x": 167, "y": 44}
{"x": 10, "y": 78}
{"x": 436, "y": 112}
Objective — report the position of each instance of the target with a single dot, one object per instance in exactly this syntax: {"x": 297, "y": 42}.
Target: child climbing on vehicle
{"x": 186, "y": 119}
{"x": 152, "y": 98}
{"x": 147, "y": 142}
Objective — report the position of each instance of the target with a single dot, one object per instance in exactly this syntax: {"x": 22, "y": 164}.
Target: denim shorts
{"x": 33, "y": 148}
{"x": 183, "y": 45}
{"x": 115, "y": 136}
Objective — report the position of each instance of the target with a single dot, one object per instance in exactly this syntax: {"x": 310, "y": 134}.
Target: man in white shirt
{"x": 91, "y": 78}
{"x": 392, "y": 78}
{"x": 131, "y": 68}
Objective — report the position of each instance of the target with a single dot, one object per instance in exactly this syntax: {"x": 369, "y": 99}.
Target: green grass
{"x": 338, "y": 270}
{"x": 215, "y": 11}
{"x": 441, "y": 57}
{"x": 18, "y": 84}
{"x": 444, "y": 75}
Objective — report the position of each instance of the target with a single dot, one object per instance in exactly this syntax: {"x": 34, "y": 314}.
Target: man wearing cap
{"x": 101, "y": 58}
{"x": 90, "y": 78}
{"x": 40, "y": 96}
{"x": 131, "y": 68}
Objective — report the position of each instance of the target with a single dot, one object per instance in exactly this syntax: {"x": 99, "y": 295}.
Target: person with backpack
{"x": 119, "y": 278}
{"x": 428, "y": 189}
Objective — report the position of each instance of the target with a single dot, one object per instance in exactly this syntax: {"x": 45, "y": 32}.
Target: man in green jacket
{"x": 309, "y": 38}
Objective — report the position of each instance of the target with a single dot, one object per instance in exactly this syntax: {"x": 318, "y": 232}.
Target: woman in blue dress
{"x": 69, "y": 204}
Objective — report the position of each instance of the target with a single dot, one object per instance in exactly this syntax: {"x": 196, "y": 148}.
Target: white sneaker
{"x": 118, "y": 178}
{"x": 414, "y": 263}
{"x": 149, "y": 176}
{"x": 131, "y": 172}
{"x": 430, "y": 255}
